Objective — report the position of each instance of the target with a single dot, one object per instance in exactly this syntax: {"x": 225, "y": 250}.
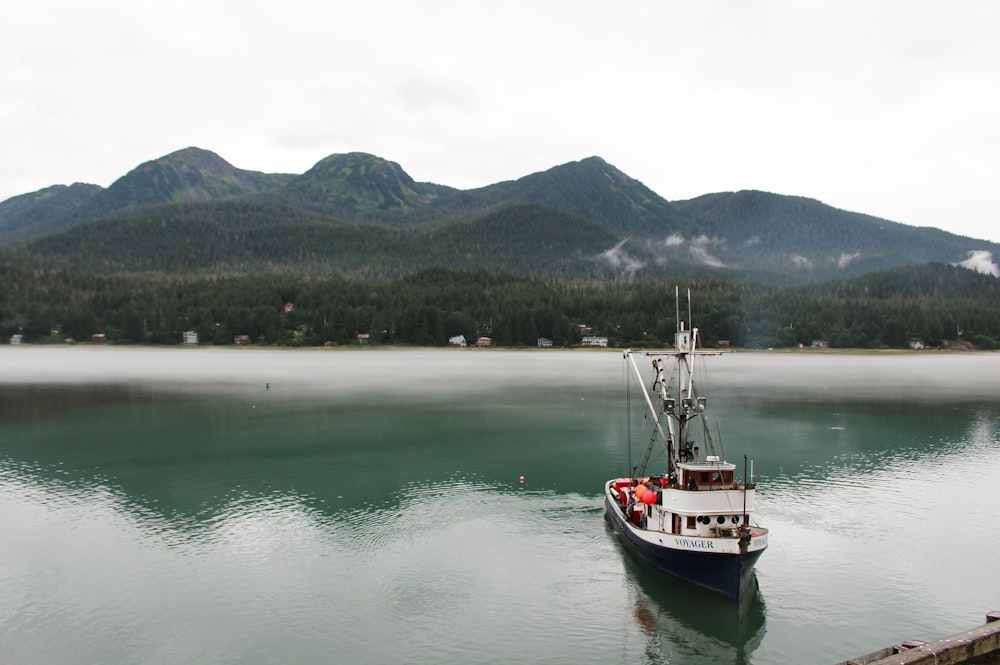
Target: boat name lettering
{"x": 700, "y": 544}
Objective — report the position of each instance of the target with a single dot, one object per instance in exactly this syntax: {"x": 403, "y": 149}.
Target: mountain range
{"x": 192, "y": 212}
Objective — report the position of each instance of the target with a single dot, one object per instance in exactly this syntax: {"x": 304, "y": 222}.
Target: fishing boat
{"x": 693, "y": 519}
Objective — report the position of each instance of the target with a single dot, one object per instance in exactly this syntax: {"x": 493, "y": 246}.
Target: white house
{"x": 189, "y": 337}
{"x": 594, "y": 341}
{"x": 457, "y": 340}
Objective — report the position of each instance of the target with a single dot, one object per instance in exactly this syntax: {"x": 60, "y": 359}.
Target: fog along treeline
{"x": 929, "y": 304}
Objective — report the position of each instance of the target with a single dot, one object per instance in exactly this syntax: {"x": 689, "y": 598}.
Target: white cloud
{"x": 619, "y": 259}
{"x": 699, "y": 248}
{"x": 981, "y": 261}
{"x": 846, "y": 259}
{"x": 801, "y": 262}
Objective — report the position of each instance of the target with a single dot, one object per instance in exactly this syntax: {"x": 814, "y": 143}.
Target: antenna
{"x": 690, "y": 320}
{"x": 677, "y": 307}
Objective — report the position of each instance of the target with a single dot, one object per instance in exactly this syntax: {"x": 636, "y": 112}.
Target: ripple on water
{"x": 450, "y": 559}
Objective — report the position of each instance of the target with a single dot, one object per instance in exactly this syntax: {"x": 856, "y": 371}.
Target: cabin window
{"x": 715, "y": 477}
{"x": 690, "y": 521}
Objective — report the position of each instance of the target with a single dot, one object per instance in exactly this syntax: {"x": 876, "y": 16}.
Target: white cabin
{"x": 705, "y": 499}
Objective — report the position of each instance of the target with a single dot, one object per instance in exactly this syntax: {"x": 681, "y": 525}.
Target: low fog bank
{"x": 419, "y": 373}
{"x": 306, "y": 372}
{"x": 943, "y": 376}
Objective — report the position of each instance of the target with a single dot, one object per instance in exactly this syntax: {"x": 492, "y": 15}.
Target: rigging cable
{"x": 704, "y": 380}
{"x": 628, "y": 414}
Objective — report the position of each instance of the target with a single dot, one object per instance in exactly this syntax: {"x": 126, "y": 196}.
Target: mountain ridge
{"x": 791, "y": 237}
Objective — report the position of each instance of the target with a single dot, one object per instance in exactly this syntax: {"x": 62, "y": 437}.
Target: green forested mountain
{"x": 256, "y": 235}
{"x": 358, "y": 185}
{"x": 595, "y": 190}
{"x": 43, "y": 212}
{"x": 356, "y": 200}
{"x": 803, "y": 236}
{"x": 188, "y": 175}
{"x": 191, "y": 174}
{"x": 355, "y": 245}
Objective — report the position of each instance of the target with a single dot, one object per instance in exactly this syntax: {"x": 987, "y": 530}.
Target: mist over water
{"x": 339, "y": 372}
{"x": 253, "y": 506}
{"x": 297, "y": 374}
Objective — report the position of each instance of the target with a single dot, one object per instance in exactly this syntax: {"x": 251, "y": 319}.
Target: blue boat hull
{"x": 726, "y": 574}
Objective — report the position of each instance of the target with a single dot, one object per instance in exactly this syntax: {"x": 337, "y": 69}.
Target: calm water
{"x": 241, "y": 506}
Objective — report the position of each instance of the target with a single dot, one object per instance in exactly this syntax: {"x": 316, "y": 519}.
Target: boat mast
{"x": 691, "y": 406}
{"x": 687, "y": 405}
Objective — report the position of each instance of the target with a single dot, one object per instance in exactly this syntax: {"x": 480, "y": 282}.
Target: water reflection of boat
{"x": 703, "y": 627}
{"x": 693, "y": 520}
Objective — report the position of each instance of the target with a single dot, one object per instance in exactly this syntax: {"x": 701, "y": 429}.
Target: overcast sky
{"x": 890, "y": 108}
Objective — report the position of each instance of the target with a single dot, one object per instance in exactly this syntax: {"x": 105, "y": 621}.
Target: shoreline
{"x": 473, "y": 348}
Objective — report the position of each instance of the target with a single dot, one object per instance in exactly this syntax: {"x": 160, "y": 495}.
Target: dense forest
{"x": 356, "y": 247}
{"x": 890, "y": 309}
